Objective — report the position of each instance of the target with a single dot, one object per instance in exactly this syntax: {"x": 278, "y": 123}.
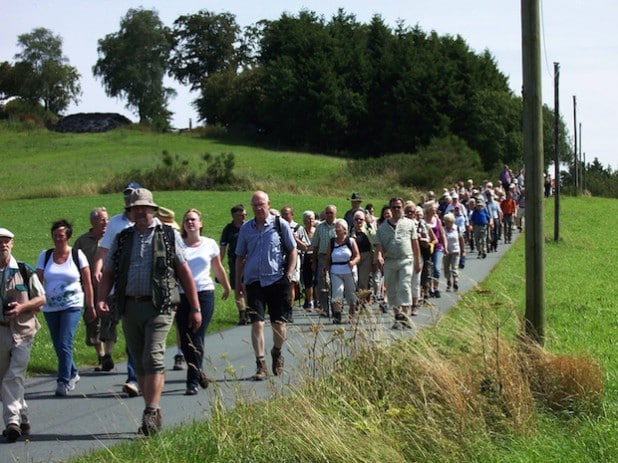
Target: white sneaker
{"x": 73, "y": 382}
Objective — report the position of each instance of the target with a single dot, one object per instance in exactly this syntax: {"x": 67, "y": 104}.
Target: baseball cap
{"x": 6, "y": 233}
{"x": 130, "y": 187}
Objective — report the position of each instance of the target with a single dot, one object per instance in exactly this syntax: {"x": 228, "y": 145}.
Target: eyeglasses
{"x": 395, "y": 207}
{"x": 359, "y": 219}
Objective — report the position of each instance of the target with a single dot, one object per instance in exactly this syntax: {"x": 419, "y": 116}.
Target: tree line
{"x": 332, "y": 85}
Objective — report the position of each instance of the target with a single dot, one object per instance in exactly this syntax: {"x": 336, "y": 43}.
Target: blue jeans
{"x": 192, "y": 343}
{"x": 131, "y": 375}
{"x": 436, "y": 260}
{"x": 62, "y": 326}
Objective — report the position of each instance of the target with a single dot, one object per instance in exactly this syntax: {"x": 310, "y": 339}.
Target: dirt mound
{"x": 91, "y": 122}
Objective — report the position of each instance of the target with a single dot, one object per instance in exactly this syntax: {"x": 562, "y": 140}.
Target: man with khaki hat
{"x": 22, "y": 295}
{"x": 142, "y": 264}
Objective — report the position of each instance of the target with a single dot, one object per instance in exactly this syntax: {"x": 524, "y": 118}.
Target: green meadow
{"x": 463, "y": 391}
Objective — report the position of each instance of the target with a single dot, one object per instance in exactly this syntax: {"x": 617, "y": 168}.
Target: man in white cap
{"x": 22, "y": 295}
{"x": 143, "y": 264}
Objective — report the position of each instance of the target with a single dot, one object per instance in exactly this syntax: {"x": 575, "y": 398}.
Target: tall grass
{"x": 467, "y": 390}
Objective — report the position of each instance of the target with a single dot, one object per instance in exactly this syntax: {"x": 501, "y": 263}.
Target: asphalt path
{"x": 98, "y": 415}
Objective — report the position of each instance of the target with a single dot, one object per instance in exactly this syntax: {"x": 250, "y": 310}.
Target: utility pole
{"x": 582, "y": 163}
{"x": 575, "y": 160}
{"x": 533, "y": 157}
{"x": 556, "y": 153}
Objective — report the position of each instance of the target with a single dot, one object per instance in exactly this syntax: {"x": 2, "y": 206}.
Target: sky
{"x": 576, "y": 34}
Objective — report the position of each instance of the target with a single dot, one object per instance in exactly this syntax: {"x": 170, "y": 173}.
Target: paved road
{"x": 98, "y": 415}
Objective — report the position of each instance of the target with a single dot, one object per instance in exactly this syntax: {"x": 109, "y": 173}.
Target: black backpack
{"x": 74, "y": 255}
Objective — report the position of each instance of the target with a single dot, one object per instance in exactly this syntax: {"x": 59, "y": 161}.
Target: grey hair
{"x": 308, "y": 214}
{"x": 96, "y": 211}
{"x": 343, "y": 222}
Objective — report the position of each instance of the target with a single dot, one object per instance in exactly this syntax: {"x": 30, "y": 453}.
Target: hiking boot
{"x": 107, "y": 363}
{"x": 179, "y": 361}
{"x": 402, "y": 320}
{"x": 277, "y": 361}
{"x": 130, "y": 389}
{"x": 152, "y": 421}
{"x": 25, "y": 425}
{"x": 262, "y": 371}
{"x": 191, "y": 390}
{"x": 243, "y": 318}
{"x": 337, "y": 318}
{"x": 12, "y": 432}
{"x": 98, "y": 367}
{"x": 414, "y": 310}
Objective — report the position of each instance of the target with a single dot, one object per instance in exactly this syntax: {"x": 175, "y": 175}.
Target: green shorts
{"x": 145, "y": 332}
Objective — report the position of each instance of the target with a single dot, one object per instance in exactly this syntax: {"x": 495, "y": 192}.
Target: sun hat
{"x": 141, "y": 197}
{"x": 168, "y": 217}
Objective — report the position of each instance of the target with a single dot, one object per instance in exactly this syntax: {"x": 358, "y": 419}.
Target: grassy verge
{"x": 462, "y": 391}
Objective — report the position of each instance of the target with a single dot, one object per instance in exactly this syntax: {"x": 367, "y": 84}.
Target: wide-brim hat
{"x": 168, "y": 217}
{"x": 141, "y": 197}
{"x": 355, "y": 197}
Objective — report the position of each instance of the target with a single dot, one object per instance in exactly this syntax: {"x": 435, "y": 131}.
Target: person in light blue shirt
{"x": 265, "y": 262}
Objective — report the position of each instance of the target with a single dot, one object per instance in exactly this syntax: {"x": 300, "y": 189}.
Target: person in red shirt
{"x": 509, "y": 208}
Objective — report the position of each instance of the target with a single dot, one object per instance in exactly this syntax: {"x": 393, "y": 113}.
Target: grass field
{"x": 48, "y": 175}
{"x": 343, "y": 418}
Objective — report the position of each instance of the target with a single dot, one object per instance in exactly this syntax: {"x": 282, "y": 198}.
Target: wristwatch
{"x": 196, "y": 310}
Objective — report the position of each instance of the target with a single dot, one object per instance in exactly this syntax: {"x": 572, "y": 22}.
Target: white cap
{"x": 6, "y": 233}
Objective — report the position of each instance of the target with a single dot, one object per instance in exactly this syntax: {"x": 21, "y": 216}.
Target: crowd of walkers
{"x": 143, "y": 270}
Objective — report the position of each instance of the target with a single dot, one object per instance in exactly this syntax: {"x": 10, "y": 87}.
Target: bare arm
{"x": 188, "y": 284}
{"x": 98, "y": 263}
{"x": 91, "y": 312}
{"x": 105, "y": 286}
{"x": 221, "y": 276}
{"x": 240, "y": 267}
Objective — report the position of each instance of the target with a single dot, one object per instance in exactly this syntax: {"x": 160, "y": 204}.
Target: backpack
{"x": 26, "y": 272}
{"x": 284, "y": 250}
{"x": 332, "y": 245}
{"x": 74, "y": 255}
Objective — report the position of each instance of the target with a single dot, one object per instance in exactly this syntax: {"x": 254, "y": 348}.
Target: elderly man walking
{"x": 398, "y": 253}
{"x": 143, "y": 263}
{"x": 321, "y": 238}
{"x": 22, "y": 295}
{"x": 265, "y": 262}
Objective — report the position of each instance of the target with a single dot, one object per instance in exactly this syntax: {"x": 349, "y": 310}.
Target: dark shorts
{"x": 275, "y": 298}
{"x": 93, "y": 331}
{"x": 232, "y": 272}
{"x": 102, "y": 329}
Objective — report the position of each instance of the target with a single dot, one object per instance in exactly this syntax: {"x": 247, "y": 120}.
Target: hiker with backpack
{"x": 265, "y": 261}
{"x": 341, "y": 258}
{"x": 65, "y": 274}
{"x": 22, "y": 296}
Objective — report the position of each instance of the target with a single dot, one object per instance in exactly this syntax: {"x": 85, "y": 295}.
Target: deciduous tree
{"x": 132, "y": 63}
{"x": 43, "y": 71}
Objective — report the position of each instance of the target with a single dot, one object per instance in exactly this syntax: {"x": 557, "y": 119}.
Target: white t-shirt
{"x": 62, "y": 282}
{"x": 115, "y": 225}
{"x": 199, "y": 258}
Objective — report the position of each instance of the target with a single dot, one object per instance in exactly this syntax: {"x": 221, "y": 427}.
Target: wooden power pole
{"x": 533, "y": 158}
{"x": 556, "y": 152}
